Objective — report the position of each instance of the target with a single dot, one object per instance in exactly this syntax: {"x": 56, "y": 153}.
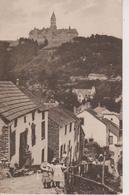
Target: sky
{"x": 18, "y": 17}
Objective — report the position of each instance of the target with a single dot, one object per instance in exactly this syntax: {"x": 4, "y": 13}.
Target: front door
{"x": 23, "y": 144}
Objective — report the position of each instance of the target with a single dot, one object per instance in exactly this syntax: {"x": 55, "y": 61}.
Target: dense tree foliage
{"x": 16, "y": 56}
{"x": 98, "y": 53}
{"x": 3, "y": 59}
{"x": 52, "y": 68}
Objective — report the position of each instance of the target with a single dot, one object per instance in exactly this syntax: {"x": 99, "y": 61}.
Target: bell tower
{"x": 53, "y": 22}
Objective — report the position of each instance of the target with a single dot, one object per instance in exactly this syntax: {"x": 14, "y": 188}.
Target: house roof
{"x": 61, "y": 116}
{"x": 93, "y": 113}
{"x": 13, "y": 102}
{"x": 107, "y": 122}
{"x": 103, "y": 111}
{"x": 112, "y": 126}
{"x": 100, "y": 109}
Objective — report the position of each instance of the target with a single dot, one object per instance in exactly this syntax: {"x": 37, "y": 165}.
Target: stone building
{"x": 63, "y": 134}
{"x": 53, "y": 35}
{"x": 22, "y": 123}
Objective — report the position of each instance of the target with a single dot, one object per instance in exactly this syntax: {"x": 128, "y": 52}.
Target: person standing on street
{"x": 58, "y": 175}
{"x": 46, "y": 175}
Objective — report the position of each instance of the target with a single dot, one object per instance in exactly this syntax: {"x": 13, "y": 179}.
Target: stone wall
{"x": 4, "y": 143}
{"x": 53, "y": 140}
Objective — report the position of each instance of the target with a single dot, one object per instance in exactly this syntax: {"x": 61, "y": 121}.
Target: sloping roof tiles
{"x": 61, "y": 116}
{"x": 112, "y": 126}
{"x": 13, "y": 102}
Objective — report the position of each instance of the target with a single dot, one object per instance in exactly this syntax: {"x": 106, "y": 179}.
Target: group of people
{"x": 53, "y": 174}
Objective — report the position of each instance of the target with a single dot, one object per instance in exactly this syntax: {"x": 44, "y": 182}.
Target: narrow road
{"x": 25, "y": 185}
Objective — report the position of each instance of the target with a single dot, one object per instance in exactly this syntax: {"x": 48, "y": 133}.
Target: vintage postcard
{"x": 61, "y": 97}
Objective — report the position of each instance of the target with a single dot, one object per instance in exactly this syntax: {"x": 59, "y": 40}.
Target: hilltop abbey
{"x": 54, "y": 36}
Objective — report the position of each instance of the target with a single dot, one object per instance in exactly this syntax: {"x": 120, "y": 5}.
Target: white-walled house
{"x": 63, "y": 134}
{"x": 22, "y": 123}
{"x": 84, "y": 94}
{"x": 102, "y": 112}
{"x": 104, "y": 132}
{"x": 112, "y": 117}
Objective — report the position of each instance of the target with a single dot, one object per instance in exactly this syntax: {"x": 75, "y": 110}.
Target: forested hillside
{"x": 52, "y": 68}
{"x": 96, "y": 54}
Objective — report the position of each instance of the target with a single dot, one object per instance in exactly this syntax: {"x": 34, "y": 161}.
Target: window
{"x": 24, "y": 119}
{"x": 61, "y": 151}
{"x": 91, "y": 139}
{"x": 43, "y": 115}
{"x": 70, "y": 129}
{"x": 64, "y": 147}
{"x": 42, "y": 155}
{"x": 33, "y": 136}
{"x": 33, "y": 115}
{"x": 120, "y": 124}
{"x": 110, "y": 139}
{"x": 15, "y": 122}
{"x": 12, "y": 143}
{"x": 43, "y": 130}
{"x": 65, "y": 129}
{"x": 69, "y": 144}
{"x": 77, "y": 146}
{"x": 82, "y": 121}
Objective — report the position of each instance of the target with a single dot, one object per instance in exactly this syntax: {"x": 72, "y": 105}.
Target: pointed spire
{"x": 53, "y": 21}
{"x": 53, "y": 15}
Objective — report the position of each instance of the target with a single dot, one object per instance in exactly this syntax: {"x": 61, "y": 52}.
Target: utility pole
{"x": 103, "y": 167}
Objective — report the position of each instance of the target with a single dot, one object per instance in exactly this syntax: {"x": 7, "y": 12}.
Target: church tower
{"x": 53, "y": 22}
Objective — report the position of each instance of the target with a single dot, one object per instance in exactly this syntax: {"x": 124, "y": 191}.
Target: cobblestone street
{"x": 26, "y": 185}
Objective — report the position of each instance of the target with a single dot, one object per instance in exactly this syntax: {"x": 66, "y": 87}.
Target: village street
{"x": 25, "y": 185}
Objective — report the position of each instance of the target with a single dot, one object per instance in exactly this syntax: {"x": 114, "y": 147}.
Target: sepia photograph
{"x": 61, "y": 98}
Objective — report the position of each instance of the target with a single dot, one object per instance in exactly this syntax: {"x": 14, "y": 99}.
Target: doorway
{"x": 23, "y": 144}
